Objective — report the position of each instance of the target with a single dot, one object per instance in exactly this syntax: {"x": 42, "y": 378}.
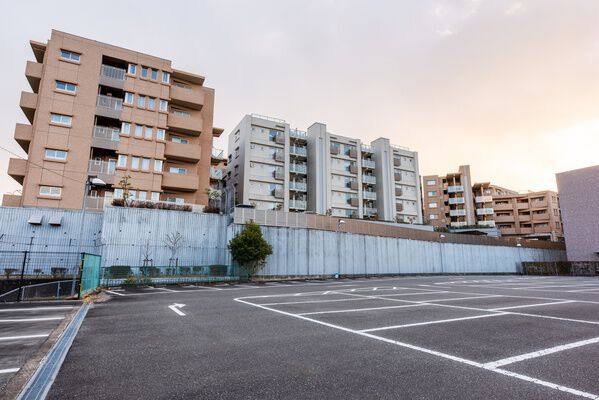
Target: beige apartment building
{"x": 453, "y": 201}
{"x": 97, "y": 110}
{"x": 275, "y": 167}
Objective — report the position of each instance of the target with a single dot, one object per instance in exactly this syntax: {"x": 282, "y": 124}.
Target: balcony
{"x": 96, "y": 203}
{"x": 524, "y": 218}
{"x": 508, "y": 231}
{"x": 523, "y": 205}
{"x": 457, "y": 213}
{"x": 455, "y": 189}
{"x": 278, "y": 193}
{"x": 216, "y": 173}
{"x": 297, "y": 134}
{"x": 181, "y": 182}
{"x": 538, "y": 204}
{"x": 23, "y": 135}
{"x": 458, "y": 224}
{"x": 298, "y": 168}
{"x": 542, "y": 229}
{"x": 370, "y": 211}
{"x": 17, "y": 169}
{"x": 299, "y": 151}
{"x": 187, "y": 96}
{"x": 456, "y": 200}
{"x": 279, "y": 174}
{"x": 353, "y": 152}
{"x": 182, "y": 151}
{"x": 489, "y": 224}
{"x": 104, "y": 170}
{"x": 504, "y": 218}
{"x": 525, "y": 231}
{"x": 185, "y": 123}
{"x": 367, "y": 149}
{"x": 112, "y": 77}
{"x": 398, "y": 192}
{"x": 297, "y": 204}
{"x": 353, "y": 185}
{"x": 368, "y": 195}
{"x": 104, "y": 137}
{"x": 370, "y": 164}
{"x": 108, "y": 106}
{"x": 484, "y": 211}
{"x": 540, "y": 217}
{"x": 28, "y": 104}
{"x": 298, "y": 186}
{"x": 12, "y": 200}
{"x": 279, "y": 155}
{"x": 369, "y": 179}
{"x": 353, "y": 201}
{"x": 501, "y": 207}
{"x": 483, "y": 199}
{"x": 33, "y": 73}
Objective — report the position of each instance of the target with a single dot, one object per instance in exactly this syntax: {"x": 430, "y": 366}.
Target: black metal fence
{"x": 572, "y": 268}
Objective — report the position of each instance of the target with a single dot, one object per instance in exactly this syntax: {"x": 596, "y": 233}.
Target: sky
{"x": 509, "y": 87}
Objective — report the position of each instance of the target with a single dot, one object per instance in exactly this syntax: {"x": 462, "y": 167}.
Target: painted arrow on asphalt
{"x": 176, "y": 308}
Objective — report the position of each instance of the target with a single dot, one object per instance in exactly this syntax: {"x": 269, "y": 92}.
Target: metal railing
{"x": 112, "y": 103}
{"x": 370, "y": 210}
{"x": 368, "y": 163}
{"x": 301, "y": 168}
{"x": 297, "y": 204}
{"x": 367, "y": 149}
{"x": 297, "y": 134}
{"x": 369, "y": 179}
{"x": 299, "y": 151}
{"x": 104, "y": 132}
{"x": 295, "y": 185}
{"x": 113, "y": 72}
{"x": 216, "y": 173}
{"x": 454, "y": 189}
{"x": 457, "y": 213}
{"x": 124, "y": 275}
{"x": 101, "y": 167}
{"x": 456, "y": 200}
{"x": 369, "y": 195}
{"x": 218, "y": 154}
{"x": 484, "y": 211}
{"x": 273, "y": 119}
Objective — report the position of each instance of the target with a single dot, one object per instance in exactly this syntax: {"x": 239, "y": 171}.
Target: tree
{"x": 173, "y": 241}
{"x": 249, "y": 248}
{"x": 214, "y": 198}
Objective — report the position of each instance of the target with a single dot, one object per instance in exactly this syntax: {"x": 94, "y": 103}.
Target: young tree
{"x": 249, "y": 248}
{"x": 173, "y": 242}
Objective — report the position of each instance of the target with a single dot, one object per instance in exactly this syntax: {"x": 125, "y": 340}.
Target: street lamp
{"x": 341, "y": 222}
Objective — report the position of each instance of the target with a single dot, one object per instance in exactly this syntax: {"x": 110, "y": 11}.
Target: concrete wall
{"x": 298, "y": 251}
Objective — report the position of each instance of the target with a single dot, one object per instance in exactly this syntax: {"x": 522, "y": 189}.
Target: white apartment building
{"x": 272, "y": 166}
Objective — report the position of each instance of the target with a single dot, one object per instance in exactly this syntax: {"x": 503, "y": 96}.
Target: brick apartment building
{"x": 97, "y": 110}
{"x": 453, "y": 201}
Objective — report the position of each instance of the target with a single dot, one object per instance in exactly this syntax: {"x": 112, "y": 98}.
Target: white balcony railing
{"x": 298, "y": 151}
{"x": 483, "y": 199}
{"x": 458, "y": 224}
{"x": 368, "y": 195}
{"x": 113, "y": 72}
{"x": 298, "y": 168}
{"x": 457, "y": 213}
{"x": 369, "y": 179}
{"x": 367, "y": 149}
{"x": 218, "y": 154}
{"x": 456, "y": 200}
{"x": 484, "y": 211}
{"x": 295, "y": 185}
{"x": 368, "y": 163}
{"x": 370, "y": 210}
{"x": 297, "y": 134}
{"x": 297, "y": 204}
{"x": 490, "y": 224}
{"x": 454, "y": 189}
{"x": 216, "y": 173}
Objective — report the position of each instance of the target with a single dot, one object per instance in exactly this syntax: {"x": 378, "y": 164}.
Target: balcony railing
{"x": 369, "y": 179}
{"x": 298, "y": 168}
{"x": 101, "y": 167}
{"x": 490, "y": 224}
{"x": 112, "y": 72}
{"x": 297, "y": 204}
{"x": 368, "y": 195}
{"x": 109, "y": 102}
{"x": 370, "y": 211}
{"x": 295, "y": 185}
{"x": 218, "y": 154}
{"x": 457, "y": 213}
{"x": 484, "y": 211}
{"x": 368, "y": 163}
{"x": 298, "y": 151}
{"x": 104, "y": 132}
{"x": 454, "y": 189}
{"x": 367, "y": 149}
{"x": 297, "y": 134}
{"x": 483, "y": 199}
{"x": 458, "y": 224}
{"x": 216, "y": 173}
{"x": 456, "y": 200}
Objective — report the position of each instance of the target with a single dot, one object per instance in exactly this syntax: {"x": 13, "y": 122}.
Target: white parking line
{"x": 9, "y": 370}
{"x": 533, "y": 305}
{"x": 36, "y": 309}
{"x": 24, "y": 337}
{"x": 167, "y": 290}
{"x": 31, "y": 319}
{"x": 113, "y": 292}
{"x": 540, "y": 353}
{"x": 441, "y": 321}
{"x": 361, "y": 309}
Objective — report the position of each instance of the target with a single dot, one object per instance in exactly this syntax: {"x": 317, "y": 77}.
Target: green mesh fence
{"x": 90, "y": 274}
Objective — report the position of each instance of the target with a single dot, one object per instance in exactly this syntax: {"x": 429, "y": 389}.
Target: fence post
{"x": 20, "y": 293}
{"x": 79, "y": 278}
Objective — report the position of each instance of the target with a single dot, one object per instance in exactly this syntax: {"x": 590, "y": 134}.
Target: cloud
{"x": 514, "y": 8}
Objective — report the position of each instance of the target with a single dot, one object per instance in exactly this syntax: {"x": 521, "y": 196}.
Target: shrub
{"x": 9, "y": 271}
{"x": 249, "y": 248}
{"x": 119, "y": 271}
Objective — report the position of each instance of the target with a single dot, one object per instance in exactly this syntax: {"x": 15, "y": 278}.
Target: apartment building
{"x": 274, "y": 166}
{"x": 97, "y": 110}
{"x": 453, "y": 201}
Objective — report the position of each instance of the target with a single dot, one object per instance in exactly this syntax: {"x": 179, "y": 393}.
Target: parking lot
{"x": 24, "y": 328}
{"x": 416, "y": 337}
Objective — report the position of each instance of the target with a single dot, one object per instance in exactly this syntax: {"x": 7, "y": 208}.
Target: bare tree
{"x": 147, "y": 253}
{"x": 173, "y": 241}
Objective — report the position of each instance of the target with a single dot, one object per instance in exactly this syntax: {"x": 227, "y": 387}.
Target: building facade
{"x": 273, "y": 166}
{"x": 579, "y": 204}
{"x": 453, "y": 201}
{"x": 97, "y": 110}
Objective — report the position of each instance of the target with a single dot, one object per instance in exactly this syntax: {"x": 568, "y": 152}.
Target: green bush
{"x": 119, "y": 271}
{"x": 249, "y": 248}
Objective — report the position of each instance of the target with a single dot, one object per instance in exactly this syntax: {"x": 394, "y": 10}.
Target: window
{"x": 122, "y": 161}
{"x": 145, "y": 164}
{"x": 61, "y": 119}
{"x": 128, "y": 98}
{"x": 151, "y": 103}
{"x": 53, "y": 191}
{"x": 138, "y": 131}
{"x": 144, "y": 72}
{"x": 132, "y": 69}
{"x": 118, "y": 193}
{"x": 56, "y": 154}
{"x": 160, "y": 134}
{"x": 178, "y": 170}
{"x": 141, "y": 101}
{"x": 157, "y": 165}
{"x": 163, "y": 105}
{"x": 166, "y": 77}
{"x": 431, "y": 182}
{"x": 148, "y": 134}
{"x": 179, "y": 140}
{"x": 181, "y": 112}
{"x": 155, "y": 196}
{"x": 70, "y": 55}
{"x": 126, "y": 128}
{"x": 66, "y": 87}
{"x": 142, "y": 195}
{"x": 154, "y": 74}
{"x": 432, "y": 205}
{"x": 431, "y": 194}
{"x": 176, "y": 200}
{"x": 434, "y": 216}
{"x": 132, "y": 194}
{"x": 134, "y": 162}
